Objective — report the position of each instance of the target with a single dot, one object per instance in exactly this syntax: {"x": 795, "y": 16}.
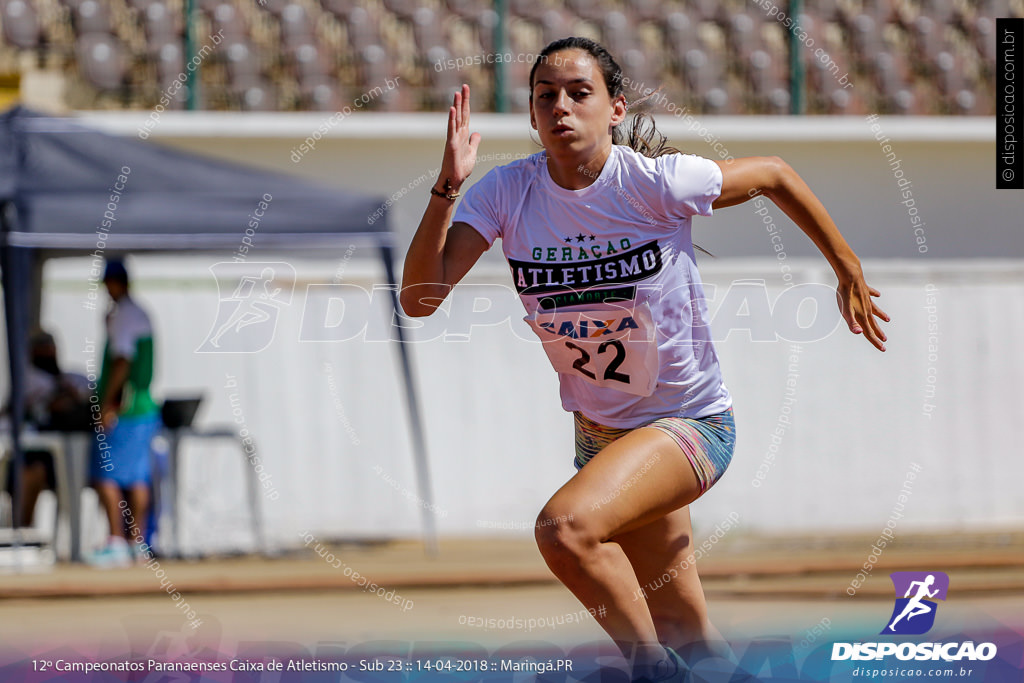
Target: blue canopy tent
{"x": 56, "y": 179}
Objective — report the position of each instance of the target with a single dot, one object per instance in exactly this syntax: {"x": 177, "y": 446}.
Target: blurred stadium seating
{"x": 930, "y": 57}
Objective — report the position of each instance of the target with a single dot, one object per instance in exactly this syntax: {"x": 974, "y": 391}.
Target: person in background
{"x": 54, "y": 400}
{"x": 129, "y": 419}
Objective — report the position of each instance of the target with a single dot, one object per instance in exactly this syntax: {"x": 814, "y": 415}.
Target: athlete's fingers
{"x": 474, "y": 142}
{"x": 874, "y": 313}
{"x": 846, "y": 310}
{"x": 457, "y": 106}
{"x": 465, "y": 104}
{"x": 879, "y": 332}
{"x": 875, "y": 341}
{"x": 869, "y": 324}
{"x": 872, "y": 330}
{"x": 880, "y": 313}
{"x": 451, "y": 124}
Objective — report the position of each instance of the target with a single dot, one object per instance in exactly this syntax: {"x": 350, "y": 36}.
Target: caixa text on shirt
{"x": 632, "y": 265}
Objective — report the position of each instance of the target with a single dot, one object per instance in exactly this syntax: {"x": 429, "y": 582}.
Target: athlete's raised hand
{"x": 860, "y": 312}
{"x": 460, "y": 147}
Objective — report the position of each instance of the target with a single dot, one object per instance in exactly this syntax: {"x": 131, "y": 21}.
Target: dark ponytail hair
{"x": 640, "y": 133}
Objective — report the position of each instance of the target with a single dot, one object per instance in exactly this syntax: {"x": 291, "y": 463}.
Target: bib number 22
{"x": 611, "y": 370}
{"x": 609, "y": 348}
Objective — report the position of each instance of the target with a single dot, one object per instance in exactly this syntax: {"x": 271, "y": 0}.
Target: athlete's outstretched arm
{"x": 439, "y": 257}
{"x": 746, "y": 178}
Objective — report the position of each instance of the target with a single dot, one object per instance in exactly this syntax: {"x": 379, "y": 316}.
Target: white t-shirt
{"x": 608, "y": 280}
{"x": 127, "y": 323}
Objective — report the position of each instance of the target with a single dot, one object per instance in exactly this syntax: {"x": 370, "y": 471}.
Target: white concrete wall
{"x": 328, "y": 414}
{"x": 950, "y": 163}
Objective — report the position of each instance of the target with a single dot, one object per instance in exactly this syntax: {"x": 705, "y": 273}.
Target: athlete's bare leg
{"x": 633, "y": 482}
{"x": 661, "y": 556}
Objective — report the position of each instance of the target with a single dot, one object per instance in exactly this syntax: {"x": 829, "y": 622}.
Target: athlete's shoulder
{"x": 634, "y": 158}
{"x": 519, "y": 169}
{"x": 675, "y": 185}
{"x": 505, "y": 181}
{"x": 659, "y": 169}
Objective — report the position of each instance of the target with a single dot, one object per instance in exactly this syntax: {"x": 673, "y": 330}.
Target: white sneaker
{"x": 114, "y": 554}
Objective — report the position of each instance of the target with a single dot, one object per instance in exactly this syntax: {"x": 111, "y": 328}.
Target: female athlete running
{"x": 596, "y": 230}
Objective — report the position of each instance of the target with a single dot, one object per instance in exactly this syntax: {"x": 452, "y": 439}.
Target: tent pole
{"x": 415, "y": 417}
{"x": 12, "y": 262}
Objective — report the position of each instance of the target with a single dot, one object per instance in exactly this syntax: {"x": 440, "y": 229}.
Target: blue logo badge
{"x": 916, "y": 593}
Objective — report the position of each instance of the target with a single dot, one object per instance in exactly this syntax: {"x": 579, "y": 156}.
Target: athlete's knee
{"x": 560, "y": 532}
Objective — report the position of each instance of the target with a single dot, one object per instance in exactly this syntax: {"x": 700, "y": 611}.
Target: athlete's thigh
{"x": 635, "y": 480}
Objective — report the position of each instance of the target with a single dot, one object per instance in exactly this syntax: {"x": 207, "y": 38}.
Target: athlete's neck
{"x": 576, "y": 172}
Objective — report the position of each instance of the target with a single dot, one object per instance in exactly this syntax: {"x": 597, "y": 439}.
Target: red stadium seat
{"x": 966, "y": 103}
{"x": 839, "y": 101}
{"x": 258, "y": 96}
{"x": 949, "y": 74}
{"x": 882, "y": 11}
{"x": 647, "y": 10}
{"x": 718, "y": 101}
{"x": 169, "y": 57}
{"x": 702, "y": 71}
{"x": 641, "y": 69}
{"x": 680, "y": 33}
{"x": 554, "y": 25}
{"x": 295, "y": 24}
{"x": 941, "y": 53}
{"x": 101, "y": 61}
{"x": 339, "y": 8}
{"x": 225, "y": 17}
{"x": 591, "y": 10}
{"x": 485, "y": 23}
{"x": 274, "y": 7}
{"x": 532, "y": 10}
{"x": 618, "y": 33}
{"x": 92, "y": 16}
{"x": 826, "y": 10}
{"x": 705, "y": 10}
{"x": 982, "y": 31}
{"x": 761, "y": 73}
{"x": 927, "y": 38}
{"x": 376, "y": 67}
{"x": 403, "y": 9}
{"x": 467, "y": 9}
{"x": 427, "y": 30}
{"x": 320, "y": 95}
{"x": 159, "y": 23}
{"x": 363, "y": 30}
{"x": 743, "y": 36}
{"x": 887, "y": 74}
{"x": 310, "y": 62}
{"x": 242, "y": 65}
{"x": 21, "y": 26}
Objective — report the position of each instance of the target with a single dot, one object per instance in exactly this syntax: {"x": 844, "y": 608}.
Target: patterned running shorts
{"x": 708, "y": 442}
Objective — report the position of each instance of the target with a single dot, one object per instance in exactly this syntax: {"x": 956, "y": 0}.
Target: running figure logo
{"x": 250, "y": 299}
{"x": 914, "y": 613}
